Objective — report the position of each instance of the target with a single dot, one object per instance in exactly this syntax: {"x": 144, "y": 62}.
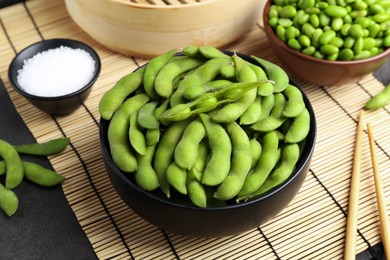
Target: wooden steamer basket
{"x": 147, "y": 28}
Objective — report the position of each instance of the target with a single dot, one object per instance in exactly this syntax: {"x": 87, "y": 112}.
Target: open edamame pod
{"x": 14, "y": 168}
{"x": 9, "y": 202}
{"x": 45, "y": 149}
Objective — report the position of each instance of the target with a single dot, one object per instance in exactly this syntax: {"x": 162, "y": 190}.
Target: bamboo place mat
{"x": 312, "y": 226}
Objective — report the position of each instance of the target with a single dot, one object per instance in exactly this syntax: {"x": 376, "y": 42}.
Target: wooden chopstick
{"x": 353, "y": 205}
{"x": 383, "y": 216}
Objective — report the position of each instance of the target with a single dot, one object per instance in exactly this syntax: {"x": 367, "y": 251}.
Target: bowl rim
{"x": 60, "y": 42}
{"x": 302, "y": 162}
{"x": 270, "y": 32}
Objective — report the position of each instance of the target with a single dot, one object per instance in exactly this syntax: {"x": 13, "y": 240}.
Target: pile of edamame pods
{"x": 206, "y": 124}
{"x": 333, "y": 29}
{"x": 16, "y": 169}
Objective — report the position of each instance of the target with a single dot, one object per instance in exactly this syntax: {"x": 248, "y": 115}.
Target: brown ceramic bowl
{"x": 317, "y": 71}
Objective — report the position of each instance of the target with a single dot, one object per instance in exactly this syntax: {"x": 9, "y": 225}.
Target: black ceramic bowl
{"x": 56, "y": 105}
{"x": 183, "y": 218}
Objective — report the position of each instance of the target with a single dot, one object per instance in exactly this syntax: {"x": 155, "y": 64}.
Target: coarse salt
{"x": 56, "y": 72}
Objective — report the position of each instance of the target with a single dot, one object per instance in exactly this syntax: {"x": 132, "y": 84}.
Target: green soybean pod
{"x": 202, "y": 75}
{"x": 198, "y": 167}
{"x": 299, "y": 129}
{"x": 164, "y": 81}
{"x": 274, "y": 73}
{"x": 118, "y": 133}
{"x": 220, "y": 145}
{"x": 197, "y": 193}
{"x": 276, "y": 117}
{"x": 235, "y": 110}
{"x": 14, "y": 167}
{"x": 294, "y": 104}
{"x": 379, "y": 100}
{"x": 191, "y": 51}
{"x": 267, "y": 161}
{"x": 240, "y": 165}
{"x": 41, "y": 175}
{"x": 50, "y": 147}
{"x": 165, "y": 151}
{"x": 146, "y": 176}
{"x": 153, "y": 68}
{"x": 177, "y": 177}
{"x": 114, "y": 97}
{"x": 211, "y": 52}
{"x": 267, "y": 103}
{"x": 256, "y": 150}
{"x": 9, "y": 202}
{"x": 152, "y": 136}
{"x": 186, "y": 150}
{"x": 252, "y": 114}
{"x": 136, "y": 136}
{"x": 228, "y": 71}
{"x": 146, "y": 116}
{"x": 290, "y": 156}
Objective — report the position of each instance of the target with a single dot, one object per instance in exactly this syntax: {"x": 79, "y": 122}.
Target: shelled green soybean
{"x": 206, "y": 124}
{"x": 333, "y": 29}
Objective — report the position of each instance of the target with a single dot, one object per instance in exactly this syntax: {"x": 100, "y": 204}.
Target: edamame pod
{"x": 232, "y": 111}
{"x": 152, "y": 136}
{"x": 274, "y": 73}
{"x": 294, "y": 104}
{"x": 165, "y": 151}
{"x": 177, "y": 177}
{"x": 114, "y": 97}
{"x": 197, "y": 193}
{"x": 9, "y": 202}
{"x": 220, "y": 145}
{"x": 14, "y": 168}
{"x": 136, "y": 136}
{"x": 198, "y": 167}
{"x": 164, "y": 81}
{"x": 146, "y": 176}
{"x": 252, "y": 114}
{"x": 267, "y": 161}
{"x": 210, "y": 52}
{"x": 41, "y": 175}
{"x": 202, "y": 75}
{"x": 290, "y": 156}
{"x": 146, "y": 117}
{"x": 187, "y": 148}
{"x": 379, "y": 100}
{"x": 299, "y": 128}
{"x": 276, "y": 117}
{"x": 118, "y": 129}
{"x": 45, "y": 149}
{"x": 256, "y": 151}
{"x": 240, "y": 163}
{"x": 153, "y": 68}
